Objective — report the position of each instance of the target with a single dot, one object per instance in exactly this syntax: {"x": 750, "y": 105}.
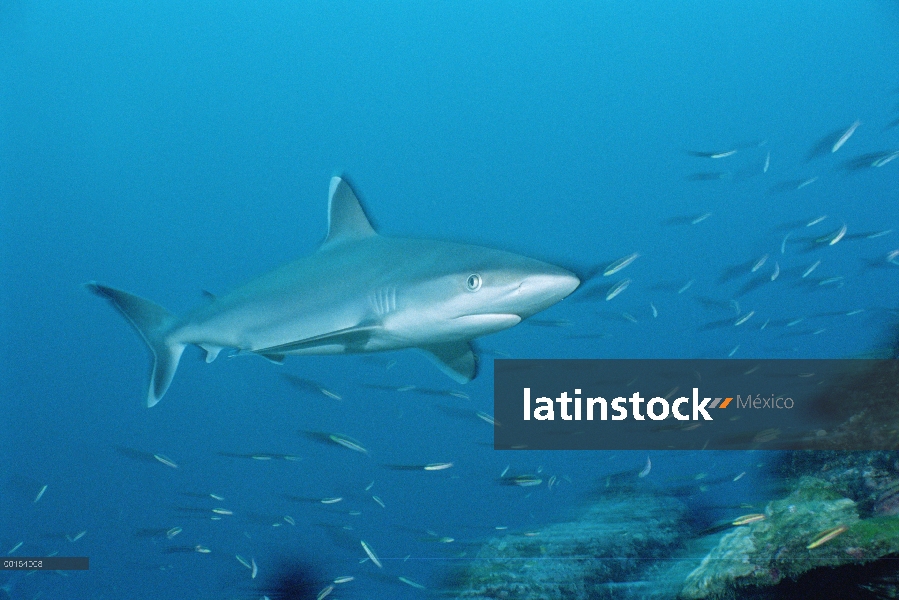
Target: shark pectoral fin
{"x": 351, "y": 338}
{"x": 278, "y": 359}
{"x": 346, "y": 219}
{"x": 456, "y": 359}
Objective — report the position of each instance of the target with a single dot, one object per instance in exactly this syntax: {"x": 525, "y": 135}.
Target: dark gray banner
{"x": 696, "y": 404}
{"x": 45, "y": 563}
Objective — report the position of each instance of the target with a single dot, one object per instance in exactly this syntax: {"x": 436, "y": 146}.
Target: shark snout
{"x": 541, "y": 290}
{"x": 557, "y": 285}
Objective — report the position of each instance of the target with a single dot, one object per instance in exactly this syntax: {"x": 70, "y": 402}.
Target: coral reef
{"x": 815, "y": 527}
{"x": 611, "y": 551}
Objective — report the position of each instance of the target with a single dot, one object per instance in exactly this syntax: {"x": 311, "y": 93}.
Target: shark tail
{"x": 154, "y": 324}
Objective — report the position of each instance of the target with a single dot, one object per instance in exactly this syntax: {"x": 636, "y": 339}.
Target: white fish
{"x": 331, "y": 500}
{"x": 254, "y": 567}
{"x": 173, "y": 532}
{"x": 485, "y": 417}
{"x": 16, "y": 547}
{"x": 646, "y": 469}
{"x": 379, "y": 501}
{"x": 326, "y": 591}
{"x": 217, "y": 497}
{"x": 222, "y": 511}
{"x": 202, "y": 549}
{"x": 347, "y": 442}
{"x": 165, "y": 460}
{"x": 806, "y": 182}
{"x": 40, "y": 494}
{"x": 744, "y": 318}
{"x": 734, "y": 351}
{"x": 408, "y": 581}
{"x": 719, "y": 154}
{"x": 76, "y": 537}
{"x": 371, "y": 554}
{"x": 343, "y": 579}
{"x": 885, "y": 159}
{"x": 686, "y": 286}
{"x": 811, "y": 268}
{"x": 437, "y": 466}
{"x": 846, "y": 135}
{"x": 759, "y": 263}
{"x": 700, "y": 218}
{"x": 783, "y": 244}
{"x": 620, "y": 264}
{"x": 243, "y": 561}
{"x": 776, "y": 271}
{"x": 767, "y": 163}
{"x": 816, "y": 221}
{"x": 330, "y": 394}
{"x": 838, "y": 235}
{"x": 655, "y": 311}
{"x": 526, "y": 480}
{"x": 740, "y": 476}
{"x": 618, "y": 288}
{"x": 831, "y": 280}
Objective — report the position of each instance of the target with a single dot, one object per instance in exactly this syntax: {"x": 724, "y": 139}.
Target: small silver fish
{"x": 845, "y": 137}
{"x": 620, "y": 264}
{"x": 618, "y": 288}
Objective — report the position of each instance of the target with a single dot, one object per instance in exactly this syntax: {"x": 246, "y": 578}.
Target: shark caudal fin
{"x": 153, "y": 323}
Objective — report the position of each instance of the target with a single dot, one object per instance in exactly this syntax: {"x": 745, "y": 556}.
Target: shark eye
{"x": 473, "y": 283}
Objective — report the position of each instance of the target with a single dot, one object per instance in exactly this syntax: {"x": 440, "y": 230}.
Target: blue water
{"x": 167, "y": 148}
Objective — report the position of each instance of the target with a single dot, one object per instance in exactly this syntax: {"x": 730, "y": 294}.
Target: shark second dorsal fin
{"x": 346, "y": 219}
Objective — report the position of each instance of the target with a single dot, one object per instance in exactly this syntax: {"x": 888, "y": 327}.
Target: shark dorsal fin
{"x": 346, "y": 219}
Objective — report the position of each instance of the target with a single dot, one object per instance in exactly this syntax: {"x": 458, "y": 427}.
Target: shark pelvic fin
{"x": 346, "y": 219}
{"x": 212, "y": 352}
{"x": 278, "y": 359}
{"x": 153, "y": 323}
{"x": 456, "y": 359}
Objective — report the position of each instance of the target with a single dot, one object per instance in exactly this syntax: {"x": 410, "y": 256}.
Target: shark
{"x": 358, "y": 292}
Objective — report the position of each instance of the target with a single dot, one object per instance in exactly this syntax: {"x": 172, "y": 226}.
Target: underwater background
{"x": 168, "y": 148}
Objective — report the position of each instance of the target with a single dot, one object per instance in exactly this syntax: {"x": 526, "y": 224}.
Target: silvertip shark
{"x": 359, "y": 292}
